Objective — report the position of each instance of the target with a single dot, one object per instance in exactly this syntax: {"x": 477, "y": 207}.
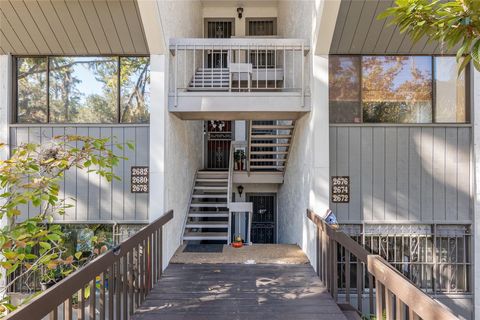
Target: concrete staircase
{"x": 210, "y": 79}
{"x": 270, "y": 144}
{"x": 207, "y": 217}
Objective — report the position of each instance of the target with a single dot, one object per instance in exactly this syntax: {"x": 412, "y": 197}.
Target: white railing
{"x": 238, "y": 64}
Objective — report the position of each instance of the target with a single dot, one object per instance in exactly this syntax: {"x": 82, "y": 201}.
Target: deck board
{"x": 239, "y": 291}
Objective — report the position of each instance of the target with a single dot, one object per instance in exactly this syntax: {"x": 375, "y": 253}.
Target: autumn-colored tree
{"x": 452, "y": 23}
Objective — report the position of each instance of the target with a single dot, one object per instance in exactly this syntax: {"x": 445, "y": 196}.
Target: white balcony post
{"x": 229, "y": 73}
{"x": 284, "y": 67}
{"x": 185, "y": 81}
{"x": 194, "y": 66}
{"x": 176, "y": 75}
{"x": 203, "y": 67}
{"x": 303, "y": 75}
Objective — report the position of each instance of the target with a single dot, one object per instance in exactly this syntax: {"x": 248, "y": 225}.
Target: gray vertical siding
{"x": 403, "y": 173}
{"x": 96, "y": 199}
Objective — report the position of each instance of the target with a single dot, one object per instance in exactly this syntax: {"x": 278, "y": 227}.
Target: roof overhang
{"x": 358, "y": 31}
{"x": 71, "y": 27}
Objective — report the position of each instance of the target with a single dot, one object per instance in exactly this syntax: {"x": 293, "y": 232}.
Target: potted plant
{"x": 237, "y": 242}
{"x": 239, "y": 156}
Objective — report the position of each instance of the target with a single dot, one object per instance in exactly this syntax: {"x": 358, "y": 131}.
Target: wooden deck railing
{"x": 395, "y": 296}
{"x": 110, "y": 287}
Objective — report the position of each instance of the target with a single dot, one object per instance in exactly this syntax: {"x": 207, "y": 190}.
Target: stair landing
{"x": 239, "y": 291}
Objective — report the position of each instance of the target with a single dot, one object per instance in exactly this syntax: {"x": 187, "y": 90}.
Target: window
{"x": 261, "y": 27}
{"x": 396, "y": 89}
{"x": 449, "y": 91}
{"x": 344, "y": 89}
{"x": 32, "y": 90}
{"x": 83, "y": 90}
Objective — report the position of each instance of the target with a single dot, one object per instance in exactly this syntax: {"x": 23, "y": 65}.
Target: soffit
{"x": 71, "y": 27}
{"x": 358, "y": 31}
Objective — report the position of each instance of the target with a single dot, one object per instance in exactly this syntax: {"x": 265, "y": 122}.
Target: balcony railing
{"x": 238, "y": 65}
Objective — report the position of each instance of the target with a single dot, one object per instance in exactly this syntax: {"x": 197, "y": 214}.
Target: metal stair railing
{"x": 396, "y": 297}
{"x": 118, "y": 281}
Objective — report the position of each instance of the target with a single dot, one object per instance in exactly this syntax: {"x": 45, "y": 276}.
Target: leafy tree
{"x": 31, "y": 177}
{"x": 453, "y": 23}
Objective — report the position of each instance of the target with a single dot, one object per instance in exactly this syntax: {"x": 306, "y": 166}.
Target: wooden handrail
{"x": 127, "y": 273}
{"x": 395, "y": 296}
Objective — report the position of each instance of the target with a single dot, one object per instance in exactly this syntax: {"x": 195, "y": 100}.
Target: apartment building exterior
{"x": 246, "y": 114}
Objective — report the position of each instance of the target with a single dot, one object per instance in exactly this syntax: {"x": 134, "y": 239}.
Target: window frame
{"x": 468, "y": 104}
{"x": 261, "y": 19}
{"x": 14, "y": 89}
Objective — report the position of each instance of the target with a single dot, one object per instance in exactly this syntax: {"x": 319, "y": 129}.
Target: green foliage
{"x": 453, "y": 23}
{"x": 31, "y": 177}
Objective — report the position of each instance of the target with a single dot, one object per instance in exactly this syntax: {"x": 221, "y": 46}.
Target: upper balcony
{"x": 239, "y": 78}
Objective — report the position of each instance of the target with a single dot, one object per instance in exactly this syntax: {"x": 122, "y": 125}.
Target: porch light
{"x": 240, "y": 190}
{"x": 240, "y": 12}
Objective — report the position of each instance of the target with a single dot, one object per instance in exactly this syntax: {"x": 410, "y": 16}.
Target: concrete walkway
{"x": 257, "y": 253}
{"x": 239, "y": 291}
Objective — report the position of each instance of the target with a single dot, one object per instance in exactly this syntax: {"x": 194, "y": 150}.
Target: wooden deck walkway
{"x": 239, "y": 291}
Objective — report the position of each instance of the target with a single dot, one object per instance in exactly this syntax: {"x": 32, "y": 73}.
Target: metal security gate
{"x": 264, "y": 217}
{"x": 218, "y": 28}
{"x": 219, "y": 138}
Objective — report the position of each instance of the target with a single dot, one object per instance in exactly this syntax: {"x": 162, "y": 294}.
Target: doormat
{"x": 207, "y": 248}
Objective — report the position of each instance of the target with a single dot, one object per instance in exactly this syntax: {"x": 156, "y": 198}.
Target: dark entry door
{"x": 219, "y": 138}
{"x": 264, "y": 217}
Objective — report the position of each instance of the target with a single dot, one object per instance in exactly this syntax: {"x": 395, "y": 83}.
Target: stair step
{"x": 271, "y": 136}
{"x": 210, "y": 188}
{"x": 267, "y": 160}
{"x": 214, "y": 69}
{"x": 208, "y": 214}
{"x": 267, "y": 167}
{"x": 268, "y": 152}
{"x": 204, "y": 196}
{"x": 207, "y": 224}
{"x": 208, "y": 89}
{"x": 205, "y": 236}
{"x": 258, "y": 145}
{"x": 272, "y": 127}
{"x": 209, "y": 205}
{"x": 211, "y": 180}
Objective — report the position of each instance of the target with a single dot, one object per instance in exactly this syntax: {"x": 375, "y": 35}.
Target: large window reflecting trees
{"x": 83, "y": 90}
{"x": 396, "y": 89}
{"x": 32, "y": 90}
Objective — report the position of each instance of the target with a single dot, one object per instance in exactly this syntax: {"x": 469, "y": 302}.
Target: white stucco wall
{"x": 475, "y": 89}
{"x": 307, "y": 176}
{"x": 176, "y": 145}
{"x": 250, "y": 10}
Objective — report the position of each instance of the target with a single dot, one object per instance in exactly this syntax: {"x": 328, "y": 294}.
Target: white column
{"x": 319, "y": 126}
{"x": 5, "y": 98}
{"x": 475, "y": 90}
{"x": 159, "y": 101}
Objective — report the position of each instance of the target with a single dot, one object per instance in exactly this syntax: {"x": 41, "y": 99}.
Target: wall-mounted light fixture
{"x": 240, "y": 190}
{"x": 240, "y": 12}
